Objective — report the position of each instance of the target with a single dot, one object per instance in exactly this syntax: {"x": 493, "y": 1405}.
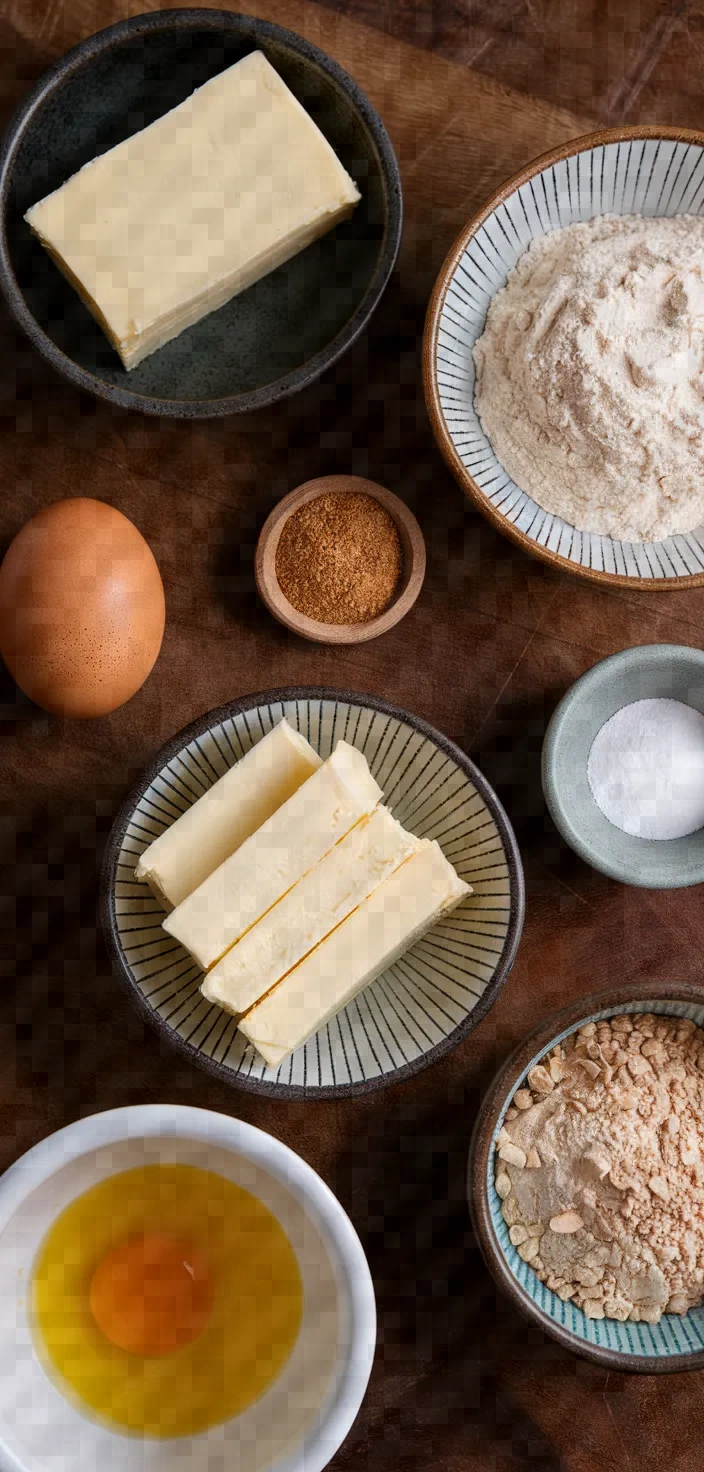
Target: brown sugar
{"x": 339, "y": 558}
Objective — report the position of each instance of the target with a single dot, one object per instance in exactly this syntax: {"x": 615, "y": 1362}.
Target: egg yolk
{"x": 151, "y": 1295}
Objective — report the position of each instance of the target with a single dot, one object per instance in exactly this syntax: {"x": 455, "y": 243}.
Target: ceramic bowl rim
{"x": 109, "y": 1127}
{"x": 570, "y": 149}
{"x": 502, "y": 1086}
{"x": 105, "y": 40}
{"x": 643, "y": 656}
{"x": 285, "y": 694}
{"x": 270, "y": 590}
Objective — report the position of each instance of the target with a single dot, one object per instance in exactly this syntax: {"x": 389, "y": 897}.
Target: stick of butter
{"x": 327, "y": 894}
{"x": 179, "y": 218}
{"x": 388, "y": 923}
{"x": 269, "y": 863}
{"x": 233, "y": 808}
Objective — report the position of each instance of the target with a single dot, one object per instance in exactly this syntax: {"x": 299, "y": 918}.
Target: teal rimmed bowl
{"x": 677, "y": 1342}
{"x": 649, "y": 671}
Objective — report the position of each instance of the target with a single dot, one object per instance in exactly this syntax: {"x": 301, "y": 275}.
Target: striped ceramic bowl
{"x": 677, "y": 1341}
{"x": 429, "y": 999}
{"x": 623, "y": 171}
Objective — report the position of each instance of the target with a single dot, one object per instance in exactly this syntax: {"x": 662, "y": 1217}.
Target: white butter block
{"x": 233, "y": 808}
{"x": 269, "y": 863}
{"x": 385, "y": 925}
{"x": 328, "y": 893}
{"x": 175, "y": 221}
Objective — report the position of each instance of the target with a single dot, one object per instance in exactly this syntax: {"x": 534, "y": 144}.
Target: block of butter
{"x": 269, "y": 863}
{"x": 327, "y": 894}
{"x": 172, "y": 223}
{"x": 385, "y": 925}
{"x": 233, "y": 808}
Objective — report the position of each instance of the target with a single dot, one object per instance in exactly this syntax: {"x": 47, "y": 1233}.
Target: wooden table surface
{"x": 460, "y": 1382}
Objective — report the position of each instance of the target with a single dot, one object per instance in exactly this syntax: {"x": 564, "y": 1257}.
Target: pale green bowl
{"x": 649, "y": 671}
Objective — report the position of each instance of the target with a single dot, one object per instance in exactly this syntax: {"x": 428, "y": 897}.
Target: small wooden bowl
{"x": 412, "y": 548}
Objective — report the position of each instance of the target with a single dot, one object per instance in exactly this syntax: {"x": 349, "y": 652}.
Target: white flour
{"x": 646, "y": 769}
{"x": 589, "y": 375}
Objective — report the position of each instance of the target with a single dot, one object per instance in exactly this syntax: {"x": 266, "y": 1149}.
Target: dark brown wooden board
{"x": 460, "y": 1383}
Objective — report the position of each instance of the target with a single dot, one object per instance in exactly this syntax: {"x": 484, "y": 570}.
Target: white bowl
{"x": 653, "y": 171}
{"x": 299, "y": 1423}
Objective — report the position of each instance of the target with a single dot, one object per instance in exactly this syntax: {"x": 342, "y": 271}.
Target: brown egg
{"x": 81, "y": 608}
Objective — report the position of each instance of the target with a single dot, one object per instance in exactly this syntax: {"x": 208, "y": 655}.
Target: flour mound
{"x": 590, "y": 375}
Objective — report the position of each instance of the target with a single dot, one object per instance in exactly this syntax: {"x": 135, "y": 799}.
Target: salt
{"x": 646, "y": 769}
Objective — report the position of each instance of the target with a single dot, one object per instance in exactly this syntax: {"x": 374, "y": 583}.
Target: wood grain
{"x": 621, "y": 61}
{"x": 493, "y": 642}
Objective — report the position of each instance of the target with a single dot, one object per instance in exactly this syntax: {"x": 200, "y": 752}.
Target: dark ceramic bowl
{"x": 285, "y": 330}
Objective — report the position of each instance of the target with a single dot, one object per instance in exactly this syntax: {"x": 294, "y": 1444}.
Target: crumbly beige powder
{"x": 601, "y": 1172}
{"x": 589, "y": 375}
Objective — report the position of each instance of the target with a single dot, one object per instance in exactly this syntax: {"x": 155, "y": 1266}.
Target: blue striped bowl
{"x": 654, "y": 171}
{"x": 427, "y": 1000}
{"x": 677, "y": 1342}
